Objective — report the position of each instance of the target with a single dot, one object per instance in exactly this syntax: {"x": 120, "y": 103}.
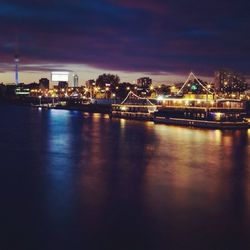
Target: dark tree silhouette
{"x": 123, "y": 89}
{"x": 104, "y": 79}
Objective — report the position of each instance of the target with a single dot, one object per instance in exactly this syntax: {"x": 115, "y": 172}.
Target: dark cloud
{"x": 149, "y": 35}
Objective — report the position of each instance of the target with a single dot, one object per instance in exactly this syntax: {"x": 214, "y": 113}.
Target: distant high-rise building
{"x": 144, "y": 82}
{"x": 227, "y": 81}
{"x": 44, "y": 83}
{"x": 76, "y": 81}
{"x": 16, "y": 61}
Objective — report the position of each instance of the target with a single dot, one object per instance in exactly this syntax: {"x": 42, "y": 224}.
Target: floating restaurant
{"x": 135, "y": 108}
{"x": 221, "y": 113}
{"x": 207, "y": 112}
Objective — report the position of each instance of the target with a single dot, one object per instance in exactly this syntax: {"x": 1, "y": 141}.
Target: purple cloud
{"x": 133, "y": 36}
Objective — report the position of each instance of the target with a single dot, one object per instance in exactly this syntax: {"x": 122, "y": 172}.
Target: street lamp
{"x": 40, "y": 100}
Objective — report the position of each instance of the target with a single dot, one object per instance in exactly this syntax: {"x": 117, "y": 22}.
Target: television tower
{"x": 16, "y": 61}
{"x": 76, "y": 81}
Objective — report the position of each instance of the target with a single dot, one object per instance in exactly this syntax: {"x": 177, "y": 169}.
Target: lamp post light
{"x": 207, "y": 89}
{"x": 40, "y": 100}
{"x": 106, "y": 92}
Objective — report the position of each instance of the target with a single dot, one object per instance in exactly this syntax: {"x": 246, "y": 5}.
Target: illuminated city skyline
{"x": 85, "y": 73}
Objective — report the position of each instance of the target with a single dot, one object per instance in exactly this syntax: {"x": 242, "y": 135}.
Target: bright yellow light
{"x": 218, "y": 116}
{"x": 124, "y": 108}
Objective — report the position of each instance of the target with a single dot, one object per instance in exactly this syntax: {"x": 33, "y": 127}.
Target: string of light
{"x": 141, "y": 98}
{"x": 192, "y": 74}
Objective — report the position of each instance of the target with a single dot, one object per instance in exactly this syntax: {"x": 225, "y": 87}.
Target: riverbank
{"x": 64, "y": 104}
{"x": 91, "y": 108}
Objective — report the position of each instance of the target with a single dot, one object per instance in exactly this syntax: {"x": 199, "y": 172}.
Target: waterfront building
{"x": 227, "y": 81}
{"x": 144, "y": 82}
{"x": 44, "y": 83}
{"x": 90, "y": 88}
{"x": 22, "y": 91}
{"x": 144, "y": 86}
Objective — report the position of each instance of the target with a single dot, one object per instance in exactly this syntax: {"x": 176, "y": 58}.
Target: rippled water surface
{"x": 78, "y": 181}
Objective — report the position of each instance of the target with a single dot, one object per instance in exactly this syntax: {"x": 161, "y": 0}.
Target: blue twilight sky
{"x": 159, "y": 38}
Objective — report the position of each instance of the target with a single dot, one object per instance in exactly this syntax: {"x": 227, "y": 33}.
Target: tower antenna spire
{"x": 16, "y": 62}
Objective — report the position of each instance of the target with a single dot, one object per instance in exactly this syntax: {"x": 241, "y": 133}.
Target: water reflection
{"x": 98, "y": 183}
{"x": 201, "y": 185}
{"x": 131, "y": 178}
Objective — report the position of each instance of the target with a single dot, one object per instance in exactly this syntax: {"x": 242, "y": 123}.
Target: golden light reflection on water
{"x": 123, "y": 123}
{"x": 92, "y": 177}
{"x": 93, "y": 160}
{"x": 163, "y": 168}
{"x": 197, "y": 163}
{"x": 216, "y": 134}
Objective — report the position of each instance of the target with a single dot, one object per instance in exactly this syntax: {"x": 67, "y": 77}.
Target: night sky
{"x": 151, "y": 37}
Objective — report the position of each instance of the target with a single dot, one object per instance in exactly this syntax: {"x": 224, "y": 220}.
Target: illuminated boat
{"x": 220, "y": 114}
{"x": 135, "y": 108}
{"x": 134, "y": 112}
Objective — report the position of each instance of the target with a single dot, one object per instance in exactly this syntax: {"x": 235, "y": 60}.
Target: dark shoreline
{"x": 88, "y": 108}
{"x": 91, "y": 108}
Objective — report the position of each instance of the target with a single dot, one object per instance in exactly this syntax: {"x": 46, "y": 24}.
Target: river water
{"x": 72, "y": 180}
